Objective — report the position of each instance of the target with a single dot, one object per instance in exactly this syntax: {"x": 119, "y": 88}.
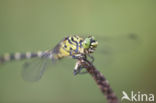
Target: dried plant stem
{"x": 100, "y": 81}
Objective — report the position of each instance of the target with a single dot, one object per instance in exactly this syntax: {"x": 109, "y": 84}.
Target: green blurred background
{"x": 128, "y": 62}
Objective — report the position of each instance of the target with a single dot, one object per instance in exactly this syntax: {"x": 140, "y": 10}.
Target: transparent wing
{"x": 118, "y": 44}
{"x": 34, "y": 69}
{"x": 109, "y": 46}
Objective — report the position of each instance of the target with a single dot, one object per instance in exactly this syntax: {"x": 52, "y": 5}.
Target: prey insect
{"x": 71, "y": 46}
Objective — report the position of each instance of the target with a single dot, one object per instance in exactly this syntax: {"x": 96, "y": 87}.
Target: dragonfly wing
{"x": 109, "y": 46}
{"x": 118, "y": 44}
{"x": 34, "y": 69}
{"x": 56, "y": 49}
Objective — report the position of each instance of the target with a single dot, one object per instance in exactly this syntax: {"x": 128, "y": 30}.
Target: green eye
{"x": 90, "y": 42}
{"x": 86, "y": 43}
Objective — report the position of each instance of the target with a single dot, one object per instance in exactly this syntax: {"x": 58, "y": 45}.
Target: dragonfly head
{"x": 90, "y": 43}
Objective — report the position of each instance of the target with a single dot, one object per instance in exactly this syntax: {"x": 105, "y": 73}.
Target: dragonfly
{"x": 72, "y": 46}
{"x": 75, "y": 47}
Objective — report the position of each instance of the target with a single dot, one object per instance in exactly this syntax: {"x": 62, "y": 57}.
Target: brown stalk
{"x": 100, "y": 80}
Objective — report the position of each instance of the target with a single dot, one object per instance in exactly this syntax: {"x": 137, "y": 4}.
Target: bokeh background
{"x": 125, "y": 29}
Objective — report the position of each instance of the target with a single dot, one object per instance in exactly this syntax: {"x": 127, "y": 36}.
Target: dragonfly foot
{"x": 75, "y": 72}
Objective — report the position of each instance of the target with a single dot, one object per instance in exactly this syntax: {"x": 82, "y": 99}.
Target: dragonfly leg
{"x": 78, "y": 68}
{"x": 91, "y": 57}
{"x": 78, "y": 56}
{"x": 83, "y": 72}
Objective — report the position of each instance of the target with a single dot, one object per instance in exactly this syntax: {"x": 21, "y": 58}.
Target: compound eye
{"x": 86, "y": 43}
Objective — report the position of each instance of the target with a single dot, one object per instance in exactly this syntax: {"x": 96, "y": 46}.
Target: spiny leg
{"x": 91, "y": 57}
{"x": 78, "y": 56}
{"x": 77, "y": 69}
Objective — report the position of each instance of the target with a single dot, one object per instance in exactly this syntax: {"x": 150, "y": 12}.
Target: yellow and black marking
{"x": 74, "y": 46}
{"x": 19, "y": 56}
{"x": 69, "y": 46}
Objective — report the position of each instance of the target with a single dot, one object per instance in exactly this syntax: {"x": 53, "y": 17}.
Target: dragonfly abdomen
{"x": 19, "y": 56}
